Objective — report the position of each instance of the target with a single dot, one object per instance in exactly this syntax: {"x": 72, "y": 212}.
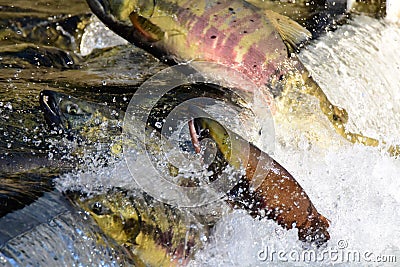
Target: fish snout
{"x": 197, "y": 133}
{"x": 200, "y": 128}
{"x": 315, "y": 231}
{"x": 49, "y": 104}
{"x": 99, "y": 7}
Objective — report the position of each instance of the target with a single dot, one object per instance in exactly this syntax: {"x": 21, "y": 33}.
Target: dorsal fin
{"x": 292, "y": 33}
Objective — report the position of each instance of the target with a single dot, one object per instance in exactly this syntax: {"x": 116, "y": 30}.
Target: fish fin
{"x": 149, "y": 30}
{"x": 292, "y": 33}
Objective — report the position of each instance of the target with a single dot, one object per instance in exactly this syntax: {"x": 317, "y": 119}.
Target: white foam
{"x": 97, "y": 35}
{"x": 356, "y": 187}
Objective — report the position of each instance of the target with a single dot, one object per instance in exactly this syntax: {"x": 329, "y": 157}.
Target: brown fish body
{"x": 284, "y": 200}
{"x": 267, "y": 189}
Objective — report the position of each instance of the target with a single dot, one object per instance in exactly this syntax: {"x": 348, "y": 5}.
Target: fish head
{"x": 137, "y": 21}
{"x": 208, "y": 128}
{"x": 63, "y": 111}
{"x": 157, "y": 233}
{"x": 79, "y": 118}
{"x": 116, "y": 214}
{"x": 232, "y": 149}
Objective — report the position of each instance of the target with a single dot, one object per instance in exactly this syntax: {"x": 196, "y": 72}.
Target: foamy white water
{"x": 356, "y": 187}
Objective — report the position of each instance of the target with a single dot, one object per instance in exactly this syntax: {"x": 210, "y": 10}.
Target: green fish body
{"x": 151, "y": 232}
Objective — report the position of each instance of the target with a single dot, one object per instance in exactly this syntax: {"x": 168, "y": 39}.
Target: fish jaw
{"x": 82, "y": 121}
{"x": 267, "y": 189}
{"x": 111, "y": 13}
{"x": 49, "y": 102}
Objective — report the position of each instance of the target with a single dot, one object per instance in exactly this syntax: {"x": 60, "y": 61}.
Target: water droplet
{"x": 158, "y": 125}
{"x": 8, "y": 105}
{"x": 104, "y": 82}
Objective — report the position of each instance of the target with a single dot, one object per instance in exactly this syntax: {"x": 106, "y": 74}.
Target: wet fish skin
{"x": 257, "y": 43}
{"x": 267, "y": 189}
{"x": 85, "y": 122}
{"x": 151, "y": 232}
{"x": 51, "y": 232}
{"x": 276, "y": 182}
{"x": 156, "y": 233}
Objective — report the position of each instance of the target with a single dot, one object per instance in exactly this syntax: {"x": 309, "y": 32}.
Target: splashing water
{"x": 356, "y": 187}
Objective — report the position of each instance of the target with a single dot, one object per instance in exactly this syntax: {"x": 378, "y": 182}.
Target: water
{"x": 54, "y": 233}
{"x": 354, "y": 186}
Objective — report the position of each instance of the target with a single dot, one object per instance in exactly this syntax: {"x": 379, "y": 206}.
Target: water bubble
{"x": 8, "y": 105}
{"x": 158, "y": 124}
{"x": 37, "y": 142}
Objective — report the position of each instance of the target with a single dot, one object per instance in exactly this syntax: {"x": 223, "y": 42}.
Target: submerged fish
{"x": 51, "y": 232}
{"x": 256, "y": 42}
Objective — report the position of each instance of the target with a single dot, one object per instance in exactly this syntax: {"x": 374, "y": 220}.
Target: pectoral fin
{"x": 292, "y": 33}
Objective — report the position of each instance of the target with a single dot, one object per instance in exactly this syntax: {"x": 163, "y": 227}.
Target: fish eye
{"x": 99, "y": 209}
{"x": 73, "y": 109}
{"x": 146, "y": 7}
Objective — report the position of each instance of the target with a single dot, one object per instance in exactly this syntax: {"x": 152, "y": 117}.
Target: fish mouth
{"x": 195, "y": 132}
{"x": 125, "y": 29}
{"x": 198, "y": 131}
{"x": 101, "y": 8}
{"x": 49, "y": 103}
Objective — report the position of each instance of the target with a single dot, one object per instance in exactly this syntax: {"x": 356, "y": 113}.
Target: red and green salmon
{"x": 257, "y": 43}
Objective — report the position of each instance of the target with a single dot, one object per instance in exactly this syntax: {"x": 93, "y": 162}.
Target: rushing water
{"x": 356, "y": 187}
